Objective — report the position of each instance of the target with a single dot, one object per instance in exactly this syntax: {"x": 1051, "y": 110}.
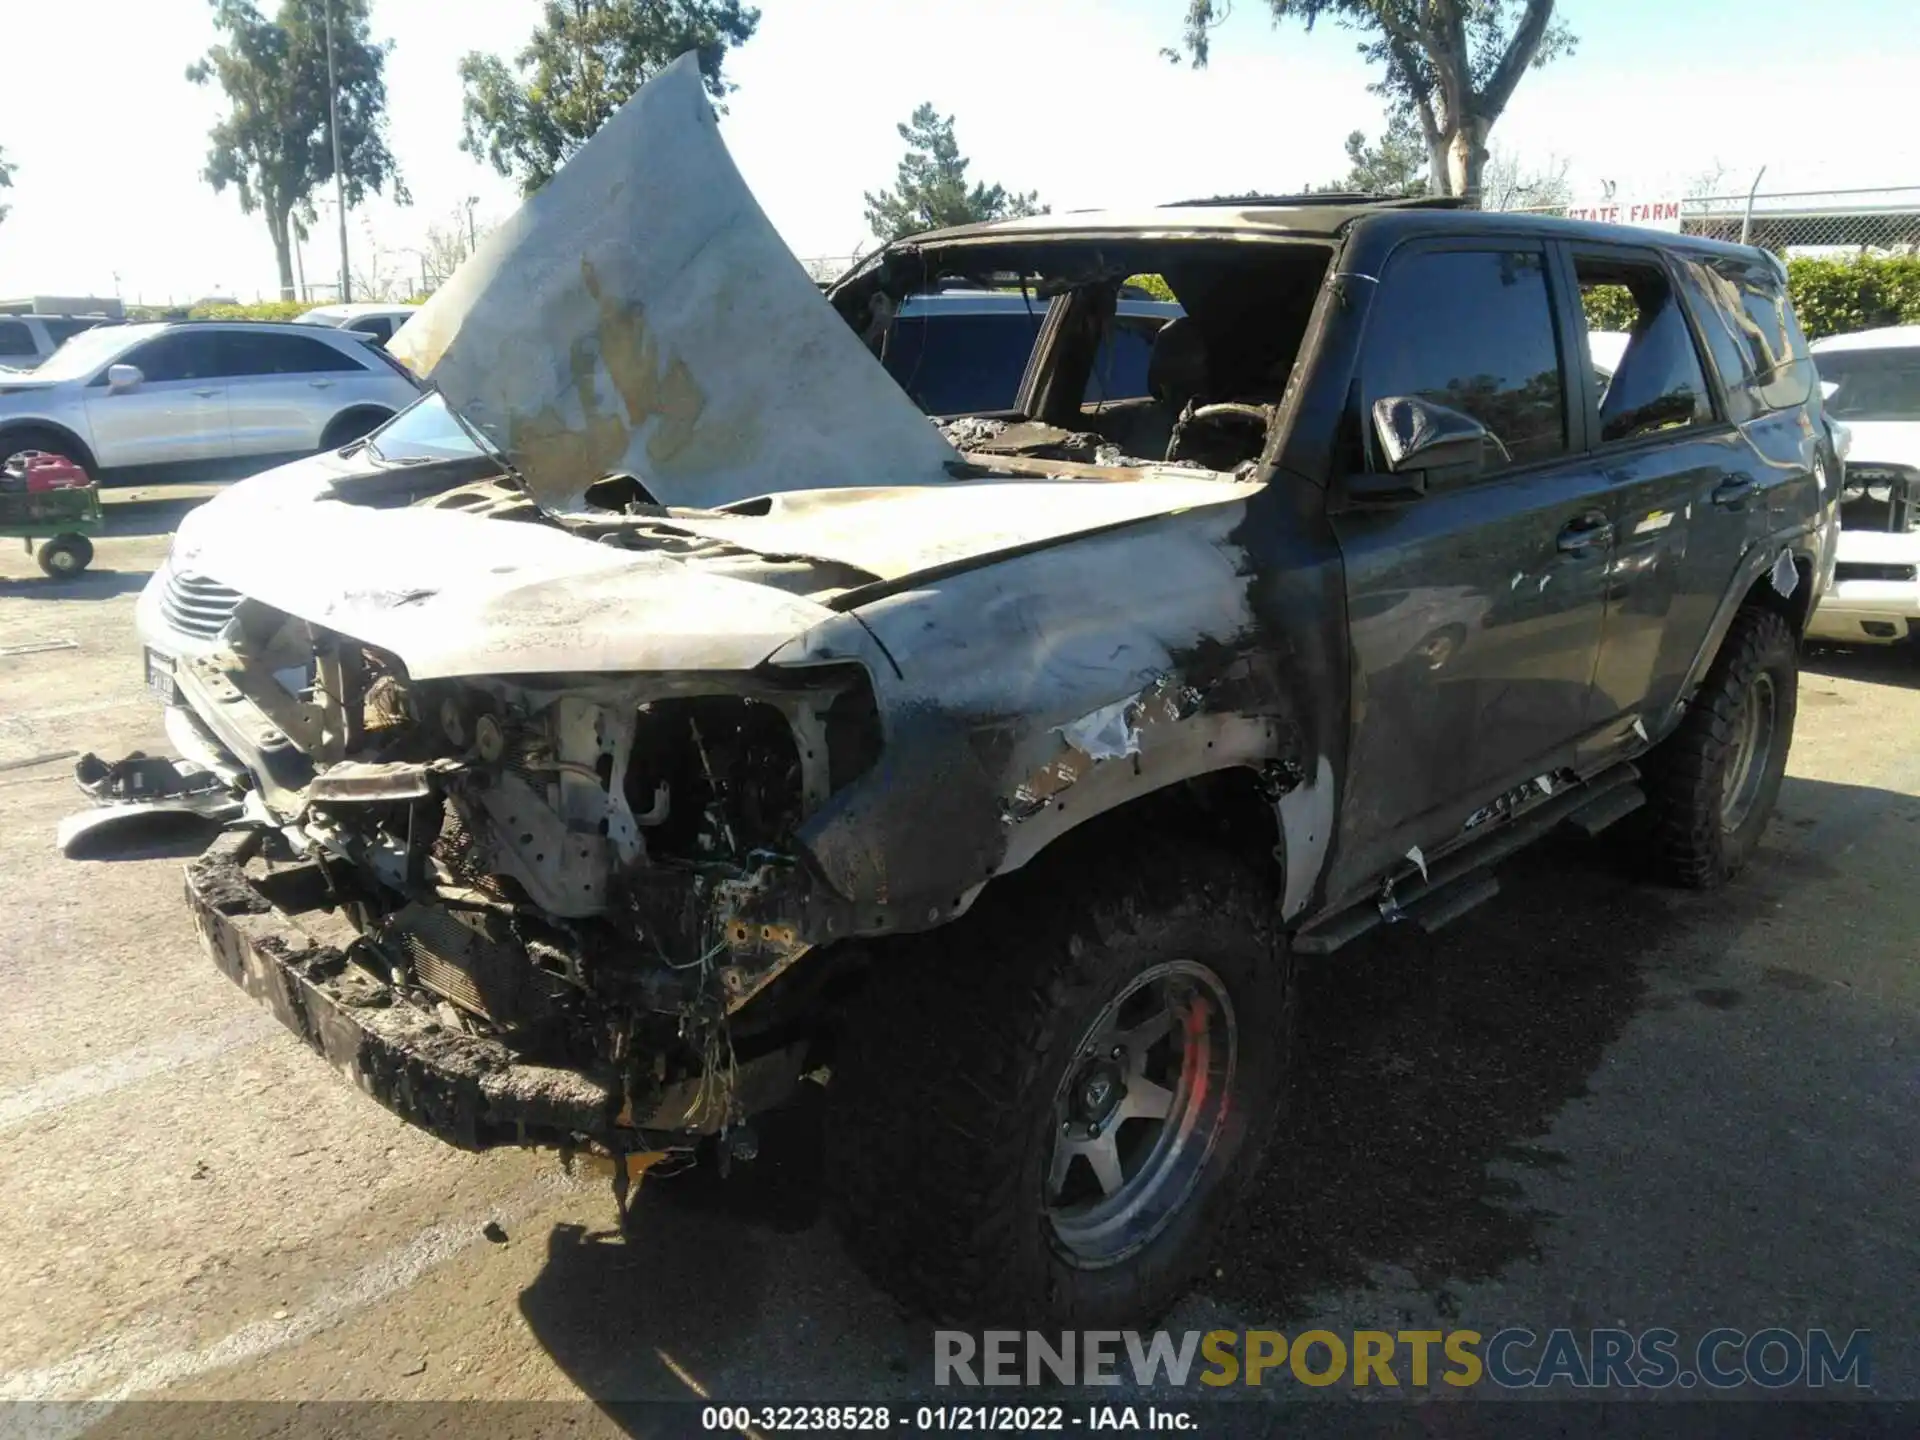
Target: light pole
{"x": 472, "y": 242}
{"x": 339, "y": 176}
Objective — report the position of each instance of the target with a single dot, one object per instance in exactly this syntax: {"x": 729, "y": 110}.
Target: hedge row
{"x": 1831, "y": 297}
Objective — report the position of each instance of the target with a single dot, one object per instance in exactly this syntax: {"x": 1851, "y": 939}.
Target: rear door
{"x": 1475, "y": 610}
{"x": 286, "y": 387}
{"x": 1676, "y": 484}
{"x": 178, "y": 411}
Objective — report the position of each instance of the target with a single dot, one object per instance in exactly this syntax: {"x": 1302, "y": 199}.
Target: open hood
{"x": 639, "y": 315}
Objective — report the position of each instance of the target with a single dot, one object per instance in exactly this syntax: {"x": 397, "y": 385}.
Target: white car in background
{"x": 1872, "y": 385}
{"x": 377, "y": 320}
{"x": 201, "y": 399}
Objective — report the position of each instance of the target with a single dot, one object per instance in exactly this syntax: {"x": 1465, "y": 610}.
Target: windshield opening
{"x": 425, "y": 431}
{"x": 1068, "y": 352}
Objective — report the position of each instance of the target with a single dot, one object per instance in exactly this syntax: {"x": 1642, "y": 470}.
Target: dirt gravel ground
{"x": 1589, "y": 1103}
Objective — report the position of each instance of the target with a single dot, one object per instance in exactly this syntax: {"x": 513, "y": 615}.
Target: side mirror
{"x": 121, "y": 378}
{"x": 1421, "y": 442}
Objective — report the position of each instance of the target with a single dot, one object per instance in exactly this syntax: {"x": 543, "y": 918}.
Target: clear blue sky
{"x": 1659, "y": 91}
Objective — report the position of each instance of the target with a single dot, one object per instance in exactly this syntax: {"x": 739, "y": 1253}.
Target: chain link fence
{"x": 1879, "y": 221}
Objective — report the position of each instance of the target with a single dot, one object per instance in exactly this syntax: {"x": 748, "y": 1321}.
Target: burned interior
{"x": 1216, "y": 374}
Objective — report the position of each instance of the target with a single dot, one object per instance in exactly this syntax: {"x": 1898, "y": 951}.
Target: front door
{"x": 1475, "y": 610}
{"x": 178, "y": 411}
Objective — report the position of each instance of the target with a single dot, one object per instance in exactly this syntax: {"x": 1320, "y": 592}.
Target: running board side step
{"x": 1456, "y": 883}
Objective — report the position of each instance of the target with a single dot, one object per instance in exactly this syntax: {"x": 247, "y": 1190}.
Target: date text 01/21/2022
{"x": 1013, "y": 1419}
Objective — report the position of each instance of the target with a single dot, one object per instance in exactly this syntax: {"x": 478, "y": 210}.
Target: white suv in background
{"x": 1872, "y": 386}
{"x": 208, "y": 397}
{"x": 377, "y": 320}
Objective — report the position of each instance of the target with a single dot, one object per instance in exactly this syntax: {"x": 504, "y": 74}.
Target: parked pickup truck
{"x": 1000, "y": 785}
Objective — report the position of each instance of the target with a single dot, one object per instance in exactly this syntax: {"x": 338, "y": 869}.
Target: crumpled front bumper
{"x": 468, "y": 1090}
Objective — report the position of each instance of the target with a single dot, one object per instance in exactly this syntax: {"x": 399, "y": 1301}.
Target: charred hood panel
{"x": 639, "y": 314}
{"x": 450, "y": 594}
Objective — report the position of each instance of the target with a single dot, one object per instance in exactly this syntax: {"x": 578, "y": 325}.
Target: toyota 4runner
{"x": 997, "y": 770}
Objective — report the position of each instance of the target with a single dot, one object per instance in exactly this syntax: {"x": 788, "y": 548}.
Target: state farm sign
{"x": 1648, "y": 214}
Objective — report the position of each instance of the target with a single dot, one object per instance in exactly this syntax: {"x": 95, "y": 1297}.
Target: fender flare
{"x": 54, "y": 427}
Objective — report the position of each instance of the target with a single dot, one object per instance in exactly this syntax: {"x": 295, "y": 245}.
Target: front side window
{"x": 179, "y": 355}
{"x": 1871, "y": 384}
{"x": 1473, "y": 330}
{"x": 1658, "y": 382}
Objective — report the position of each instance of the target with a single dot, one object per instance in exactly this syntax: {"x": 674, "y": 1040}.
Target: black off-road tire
{"x": 1692, "y": 841}
{"x": 64, "y": 556}
{"x": 941, "y": 1117}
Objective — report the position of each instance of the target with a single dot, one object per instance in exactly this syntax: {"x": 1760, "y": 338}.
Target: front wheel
{"x": 65, "y": 556}
{"x": 1044, "y": 1112}
{"x": 1712, "y": 784}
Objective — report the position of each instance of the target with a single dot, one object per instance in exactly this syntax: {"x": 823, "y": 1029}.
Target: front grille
{"x": 1880, "y": 497}
{"x": 196, "y": 606}
{"x": 1865, "y": 570}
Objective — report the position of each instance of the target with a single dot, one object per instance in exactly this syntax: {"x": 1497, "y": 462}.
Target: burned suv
{"x": 993, "y": 771}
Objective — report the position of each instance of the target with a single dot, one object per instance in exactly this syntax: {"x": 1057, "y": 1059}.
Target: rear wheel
{"x": 1044, "y": 1112}
{"x": 1712, "y": 784}
{"x": 65, "y": 556}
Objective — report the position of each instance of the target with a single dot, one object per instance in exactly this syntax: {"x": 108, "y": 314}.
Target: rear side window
{"x": 1871, "y": 384}
{"x": 15, "y": 339}
{"x": 1751, "y": 330}
{"x": 1474, "y": 331}
{"x": 1659, "y": 383}
{"x": 962, "y": 364}
{"x": 257, "y": 353}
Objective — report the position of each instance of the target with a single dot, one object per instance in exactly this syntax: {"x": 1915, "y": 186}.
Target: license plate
{"x": 160, "y": 677}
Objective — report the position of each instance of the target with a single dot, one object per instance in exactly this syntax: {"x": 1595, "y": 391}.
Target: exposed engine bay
{"x": 596, "y": 870}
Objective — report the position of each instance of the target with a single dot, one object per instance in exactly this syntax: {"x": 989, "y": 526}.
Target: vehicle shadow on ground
{"x": 1427, "y": 1073}
{"x": 1871, "y": 664}
{"x": 129, "y": 519}
{"x": 88, "y": 585}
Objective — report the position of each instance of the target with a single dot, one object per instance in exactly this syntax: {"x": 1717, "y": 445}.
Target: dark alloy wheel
{"x": 1044, "y": 1111}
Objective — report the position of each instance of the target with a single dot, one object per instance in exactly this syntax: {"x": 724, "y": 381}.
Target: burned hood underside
{"x": 639, "y": 314}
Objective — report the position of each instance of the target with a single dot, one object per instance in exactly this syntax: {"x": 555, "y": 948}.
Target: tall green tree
{"x": 1452, "y": 65}
{"x": 1396, "y": 164}
{"x": 6, "y": 180}
{"x": 585, "y": 60}
{"x": 930, "y": 188}
{"x": 273, "y": 146}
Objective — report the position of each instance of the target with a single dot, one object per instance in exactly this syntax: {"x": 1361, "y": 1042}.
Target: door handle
{"x": 321, "y": 384}
{"x": 1584, "y": 534}
{"x": 1734, "y": 493}
{"x": 207, "y": 394}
